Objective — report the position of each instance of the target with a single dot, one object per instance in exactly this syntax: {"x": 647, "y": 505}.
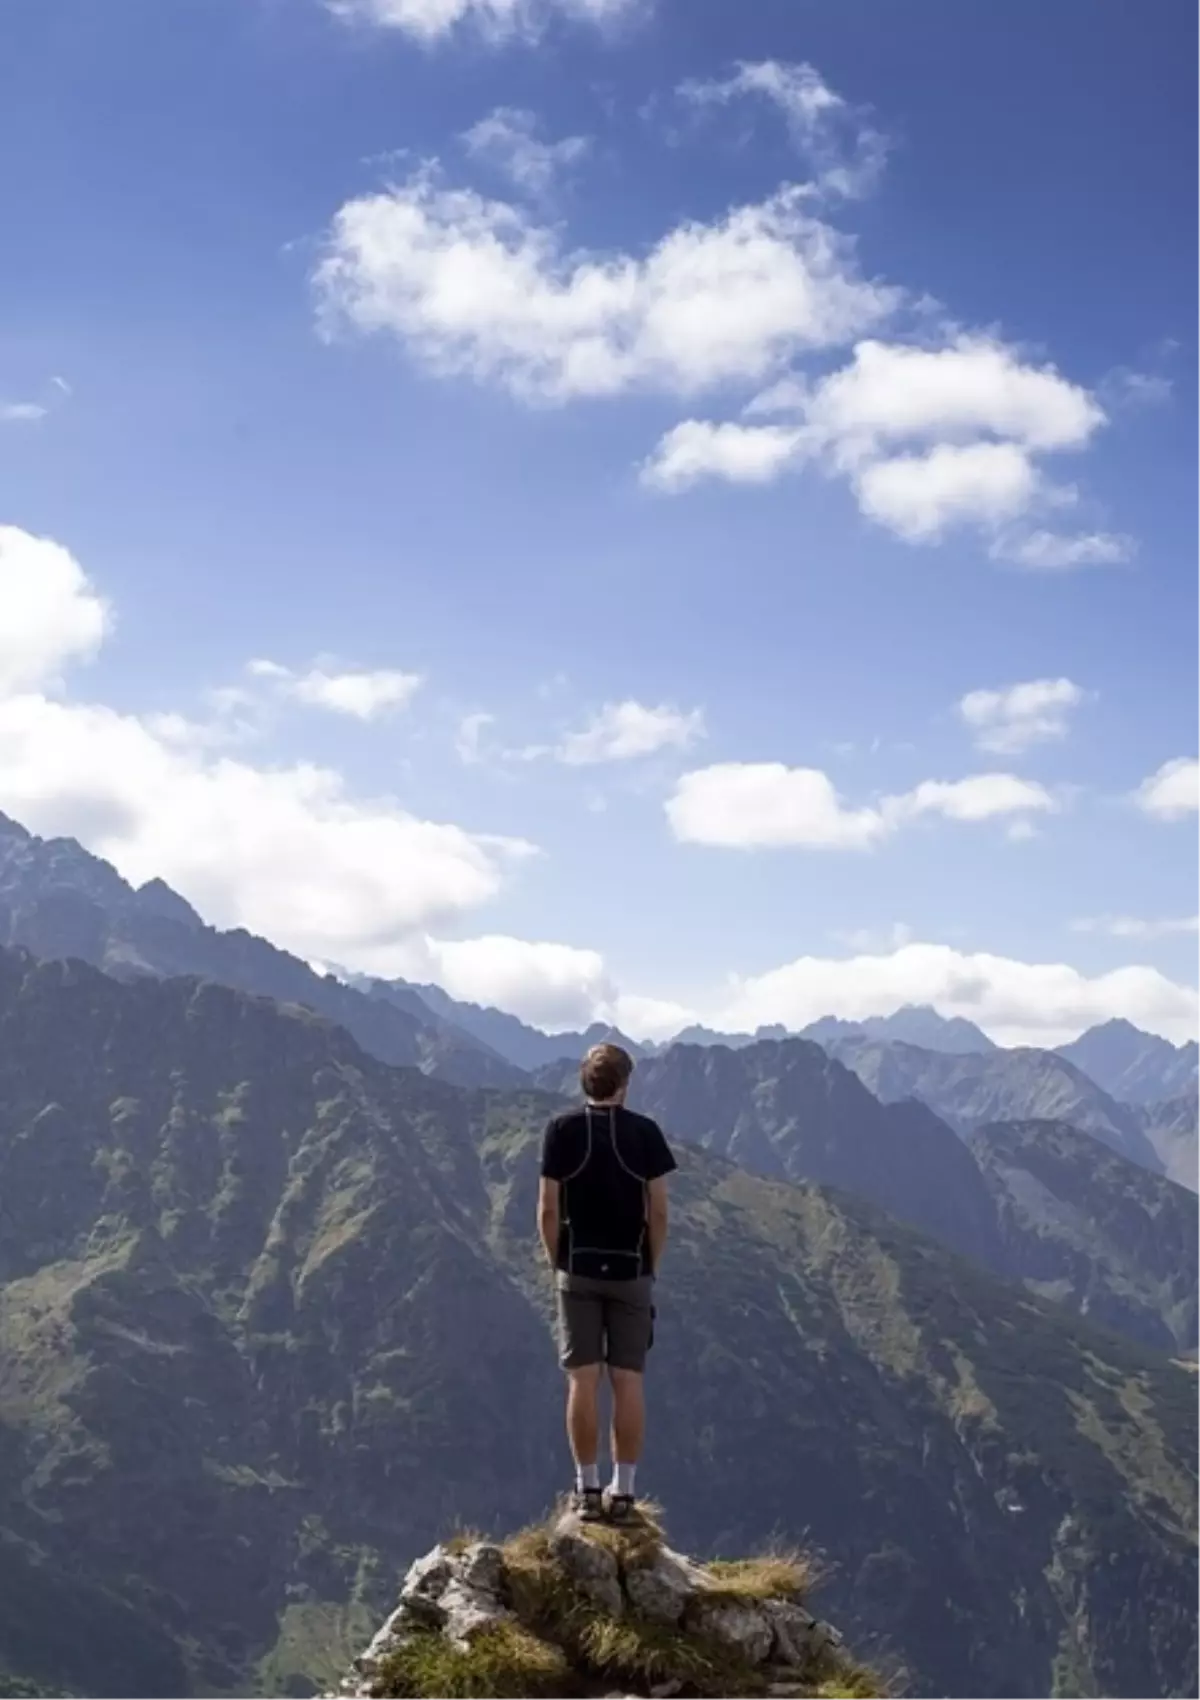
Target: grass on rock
{"x": 561, "y": 1644}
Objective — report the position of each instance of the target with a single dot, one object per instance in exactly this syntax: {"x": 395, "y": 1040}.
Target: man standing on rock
{"x": 602, "y": 1216}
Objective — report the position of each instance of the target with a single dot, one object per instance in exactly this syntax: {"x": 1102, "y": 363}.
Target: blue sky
{"x": 777, "y": 420}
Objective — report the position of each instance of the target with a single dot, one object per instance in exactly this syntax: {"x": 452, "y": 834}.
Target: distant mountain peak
{"x": 158, "y": 898}
{"x": 911, "y": 1024}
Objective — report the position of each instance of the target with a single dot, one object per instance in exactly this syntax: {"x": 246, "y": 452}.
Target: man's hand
{"x": 548, "y": 1218}
{"x": 656, "y": 1218}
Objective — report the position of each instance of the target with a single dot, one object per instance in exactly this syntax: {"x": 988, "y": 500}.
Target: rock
{"x": 665, "y": 1690}
{"x": 592, "y": 1568}
{"x": 384, "y": 1642}
{"x": 744, "y": 1627}
{"x": 661, "y": 1591}
{"x": 469, "y": 1610}
{"x": 428, "y": 1576}
{"x": 821, "y": 1636}
{"x": 482, "y": 1566}
{"x": 417, "y": 1611}
{"x": 793, "y": 1627}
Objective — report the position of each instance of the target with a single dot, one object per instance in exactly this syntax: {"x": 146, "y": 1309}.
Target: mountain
{"x": 526, "y": 1047}
{"x": 1092, "y": 1231}
{"x": 786, "y": 1110}
{"x": 58, "y": 900}
{"x": 1171, "y": 1125}
{"x": 914, "y": 1024}
{"x": 1131, "y": 1065}
{"x": 271, "y": 1321}
{"x": 1004, "y": 1085}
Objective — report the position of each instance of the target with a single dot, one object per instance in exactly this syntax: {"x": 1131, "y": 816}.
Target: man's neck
{"x": 605, "y": 1103}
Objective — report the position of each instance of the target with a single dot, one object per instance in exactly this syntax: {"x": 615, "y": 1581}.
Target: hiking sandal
{"x": 588, "y": 1504}
{"x": 621, "y": 1508}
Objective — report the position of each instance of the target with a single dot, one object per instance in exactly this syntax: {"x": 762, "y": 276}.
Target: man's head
{"x": 604, "y": 1074}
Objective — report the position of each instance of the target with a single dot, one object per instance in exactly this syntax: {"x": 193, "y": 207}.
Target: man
{"x": 602, "y": 1215}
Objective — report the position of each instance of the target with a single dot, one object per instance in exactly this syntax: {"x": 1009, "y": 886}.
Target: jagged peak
{"x": 567, "y": 1607}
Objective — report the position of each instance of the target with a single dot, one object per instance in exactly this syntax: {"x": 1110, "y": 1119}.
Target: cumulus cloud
{"x": 552, "y": 986}
{"x": 433, "y": 20}
{"x": 847, "y": 151}
{"x": 1016, "y": 1003}
{"x": 508, "y": 140}
{"x": 1009, "y": 720}
{"x": 1054, "y": 552}
{"x": 621, "y": 731}
{"x": 929, "y": 438}
{"x": 50, "y": 614}
{"x": 696, "y": 449}
{"x": 290, "y": 850}
{"x": 1172, "y": 792}
{"x": 362, "y": 693}
{"x": 756, "y": 805}
{"x": 920, "y": 496}
{"x": 478, "y": 288}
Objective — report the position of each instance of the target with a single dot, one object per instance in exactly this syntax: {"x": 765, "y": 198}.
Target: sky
{"x": 647, "y": 510}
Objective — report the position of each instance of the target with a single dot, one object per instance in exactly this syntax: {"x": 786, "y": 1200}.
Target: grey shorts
{"x": 601, "y": 1322}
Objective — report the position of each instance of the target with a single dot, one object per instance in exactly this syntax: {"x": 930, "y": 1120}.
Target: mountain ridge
{"x": 252, "y": 1273}
{"x": 59, "y": 900}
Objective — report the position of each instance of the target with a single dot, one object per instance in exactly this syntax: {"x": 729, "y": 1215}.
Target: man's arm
{"x": 656, "y": 1219}
{"x": 548, "y": 1216}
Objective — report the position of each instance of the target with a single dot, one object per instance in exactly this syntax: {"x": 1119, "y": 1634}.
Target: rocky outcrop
{"x": 587, "y": 1609}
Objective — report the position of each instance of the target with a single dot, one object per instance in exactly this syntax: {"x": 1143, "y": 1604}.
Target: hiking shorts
{"x": 602, "y": 1322}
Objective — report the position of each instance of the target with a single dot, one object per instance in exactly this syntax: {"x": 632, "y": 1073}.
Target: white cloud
{"x": 1009, "y": 720}
{"x": 1051, "y": 552}
{"x": 507, "y": 138}
{"x": 699, "y": 448}
{"x": 753, "y": 805}
{"x": 891, "y": 393}
{"x": 847, "y": 151}
{"x": 621, "y": 731}
{"x": 361, "y": 693}
{"x": 21, "y": 412}
{"x": 475, "y": 287}
{"x": 553, "y": 986}
{"x": 1017, "y": 1003}
{"x": 290, "y": 851}
{"x": 920, "y": 496}
{"x": 971, "y": 419}
{"x": 1173, "y": 791}
{"x": 1136, "y": 927}
{"x": 433, "y": 20}
{"x": 49, "y": 613}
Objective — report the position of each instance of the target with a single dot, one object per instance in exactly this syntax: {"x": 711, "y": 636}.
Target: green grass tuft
{"x": 502, "y": 1663}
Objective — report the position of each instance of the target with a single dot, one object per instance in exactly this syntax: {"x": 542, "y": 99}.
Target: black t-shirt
{"x": 604, "y": 1158}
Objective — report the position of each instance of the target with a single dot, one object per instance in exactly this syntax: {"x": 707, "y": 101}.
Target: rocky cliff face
{"x": 570, "y": 1608}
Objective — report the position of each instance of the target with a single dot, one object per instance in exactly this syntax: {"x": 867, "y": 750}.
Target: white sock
{"x": 622, "y": 1482}
{"x": 587, "y": 1476}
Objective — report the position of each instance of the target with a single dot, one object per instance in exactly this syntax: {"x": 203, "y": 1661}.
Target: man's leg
{"x": 581, "y": 1346}
{"x": 583, "y": 1423}
{"x": 629, "y": 1321}
{"x": 628, "y": 1426}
